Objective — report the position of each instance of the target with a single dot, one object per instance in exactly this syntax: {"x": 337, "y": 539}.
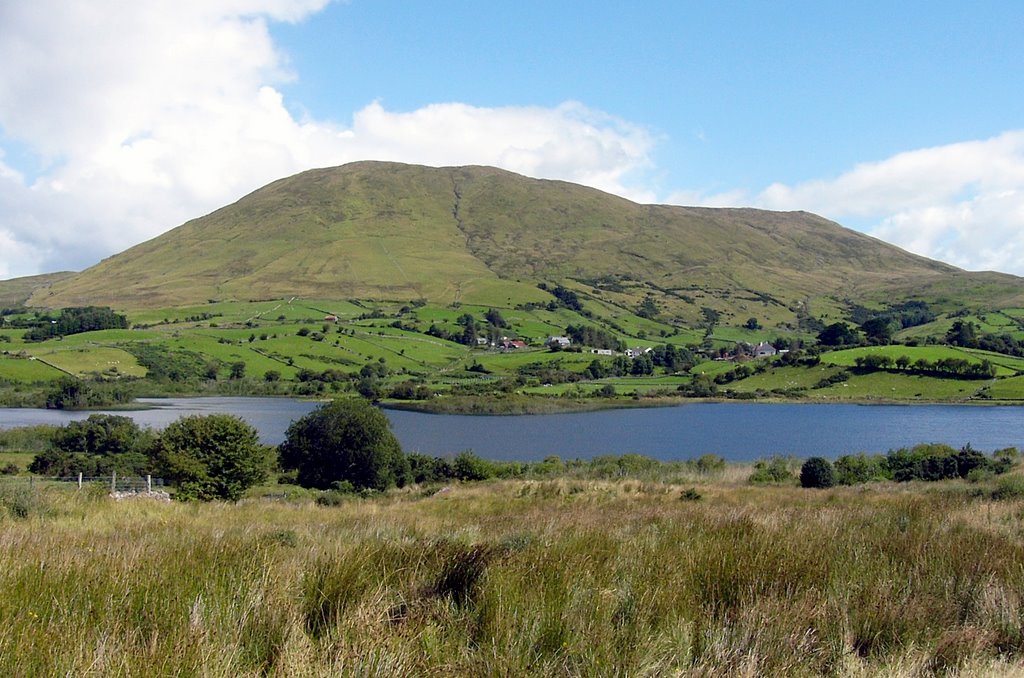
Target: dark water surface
{"x": 736, "y": 431}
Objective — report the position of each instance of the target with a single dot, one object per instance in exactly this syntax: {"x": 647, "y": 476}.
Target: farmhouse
{"x": 632, "y": 353}
{"x": 764, "y": 349}
{"x": 512, "y": 344}
{"x": 561, "y": 342}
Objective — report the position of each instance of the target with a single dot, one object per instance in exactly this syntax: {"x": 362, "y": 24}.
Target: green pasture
{"x": 888, "y": 386}
{"x": 848, "y": 357}
{"x": 509, "y": 361}
{"x": 1001, "y": 322}
{"x": 26, "y": 370}
{"x": 256, "y": 364}
{"x": 713, "y": 368}
{"x": 1011, "y": 388}
{"x": 420, "y": 348}
{"x": 782, "y": 378}
{"x": 86, "y": 360}
{"x": 19, "y": 459}
{"x": 736, "y": 335}
{"x": 1012, "y": 363}
{"x": 583, "y": 389}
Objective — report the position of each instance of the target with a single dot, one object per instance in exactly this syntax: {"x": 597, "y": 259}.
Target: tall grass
{"x": 548, "y": 577}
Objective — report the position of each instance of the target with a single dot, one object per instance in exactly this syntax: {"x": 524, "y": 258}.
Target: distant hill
{"x": 16, "y": 291}
{"x": 483, "y": 235}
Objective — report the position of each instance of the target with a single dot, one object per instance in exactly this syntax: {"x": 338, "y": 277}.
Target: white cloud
{"x": 962, "y": 203}
{"x": 172, "y": 110}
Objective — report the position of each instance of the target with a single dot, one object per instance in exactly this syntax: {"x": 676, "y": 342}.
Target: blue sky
{"x": 900, "y": 119}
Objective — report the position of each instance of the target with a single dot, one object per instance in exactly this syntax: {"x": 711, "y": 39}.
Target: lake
{"x": 736, "y": 431}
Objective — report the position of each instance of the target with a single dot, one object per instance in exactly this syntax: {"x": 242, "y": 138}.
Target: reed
{"x": 549, "y": 577}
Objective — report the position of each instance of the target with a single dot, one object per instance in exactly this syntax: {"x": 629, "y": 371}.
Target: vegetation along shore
{"x": 340, "y": 554}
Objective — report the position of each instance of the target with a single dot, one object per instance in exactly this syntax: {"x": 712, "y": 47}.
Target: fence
{"x": 115, "y": 482}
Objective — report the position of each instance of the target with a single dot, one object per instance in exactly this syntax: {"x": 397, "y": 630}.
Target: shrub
{"x": 817, "y": 472}
{"x": 468, "y": 466}
{"x": 861, "y": 468}
{"x": 709, "y": 463}
{"x": 99, "y": 445}
{"x": 773, "y": 470}
{"x": 1009, "y": 487}
{"x": 20, "y": 500}
{"x": 346, "y": 440}
{"x": 217, "y": 456}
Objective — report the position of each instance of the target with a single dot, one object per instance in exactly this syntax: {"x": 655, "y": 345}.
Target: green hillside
{"x": 16, "y": 291}
{"x": 400, "y": 282}
{"x": 388, "y": 231}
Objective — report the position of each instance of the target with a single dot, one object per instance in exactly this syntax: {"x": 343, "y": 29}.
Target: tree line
{"x": 76, "y": 320}
{"x": 342, "y": 446}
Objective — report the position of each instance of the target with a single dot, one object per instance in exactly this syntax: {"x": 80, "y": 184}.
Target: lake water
{"x": 736, "y": 431}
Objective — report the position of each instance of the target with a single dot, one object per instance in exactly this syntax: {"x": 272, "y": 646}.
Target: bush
{"x": 20, "y": 500}
{"x": 217, "y": 456}
{"x": 773, "y": 470}
{"x": 1009, "y": 487}
{"x": 860, "y": 468}
{"x": 468, "y": 466}
{"x": 817, "y": 472}
{"x": 99, "y": 445}
{"x": 346, "y": 440}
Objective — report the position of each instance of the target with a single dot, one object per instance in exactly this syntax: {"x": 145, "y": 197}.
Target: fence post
{"x": 113, "y": 482}
{"x": 79, "y": 480}
{"x": 149, "y": 484}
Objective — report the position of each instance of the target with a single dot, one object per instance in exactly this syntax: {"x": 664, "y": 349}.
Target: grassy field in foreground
{"x": 555, "y": 577}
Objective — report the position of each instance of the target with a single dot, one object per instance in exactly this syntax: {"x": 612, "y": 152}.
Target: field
{"x": 307, "y": 346}
{"x": 705, "y": 575}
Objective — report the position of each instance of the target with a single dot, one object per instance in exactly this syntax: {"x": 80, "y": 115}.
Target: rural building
{"x": 764, "y": 349}
{"x": 561, "y": 342}
{"x": 512, "y": 344}
{"x": 330, "y": 318}
{"x": 632, "y": 353}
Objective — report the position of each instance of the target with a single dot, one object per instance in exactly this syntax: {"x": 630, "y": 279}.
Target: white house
{"x": 764, "y": 349}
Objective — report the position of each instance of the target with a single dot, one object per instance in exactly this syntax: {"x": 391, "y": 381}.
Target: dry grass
{"x": 554, "y": 577}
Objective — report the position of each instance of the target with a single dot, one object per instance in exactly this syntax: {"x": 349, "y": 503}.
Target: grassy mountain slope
{"x": 16, "y": 291}
{"x": 481, "y": 235}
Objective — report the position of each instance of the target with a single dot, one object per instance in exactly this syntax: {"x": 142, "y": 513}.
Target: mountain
{"x": 16, "y": 291}
{"x": 483, "y": 235}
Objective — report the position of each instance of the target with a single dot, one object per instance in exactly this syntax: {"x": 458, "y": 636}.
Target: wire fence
{"x": 113, "y": 482}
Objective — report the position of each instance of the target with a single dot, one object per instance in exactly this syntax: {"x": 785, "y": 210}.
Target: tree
{"x": 493, "y": 317}
{"x": 96, "y": 446}
{"x": 346, "y": 440}
{"x": 878, "y": 330}
{"x": 817, "y": 472}
{"x": 838, "y": 334}
{"x": 648, "y": 308}
{"x": 217, "y": 456}
{"x": 69, "y": 394}
{"x": 238, "y": 370}
{"x": 963, "y": 334}
{"x": 752, "y": 324}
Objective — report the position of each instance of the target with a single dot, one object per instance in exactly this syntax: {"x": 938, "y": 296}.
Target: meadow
{"x": 694, "y": 573}
{"x": 278, "y": 345}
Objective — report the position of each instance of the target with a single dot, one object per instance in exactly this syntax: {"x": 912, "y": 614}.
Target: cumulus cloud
{"x": 148, "y": 113}
{"x": 962, "y": 203}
